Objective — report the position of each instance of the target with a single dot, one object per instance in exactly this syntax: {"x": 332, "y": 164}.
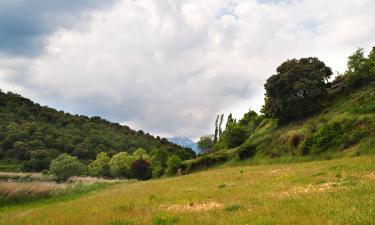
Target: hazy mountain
{"x": 185, "y": 142}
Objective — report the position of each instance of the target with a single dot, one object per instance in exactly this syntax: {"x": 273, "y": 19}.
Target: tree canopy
{"x": 297, "y": 89}
{"x": 66, "y": 166}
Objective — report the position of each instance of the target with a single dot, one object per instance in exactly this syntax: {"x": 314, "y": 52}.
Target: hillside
{"x": 345, "y": 127}
{"x": 29, "y": 131}
{"x": 320, "y": 192}
{"x": 343, "y": 122}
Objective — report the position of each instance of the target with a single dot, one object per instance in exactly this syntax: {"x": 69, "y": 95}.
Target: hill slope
{"x": 28, "y": 130}
{"x": 321, "y": 192}
{"x": 345, "y": 126}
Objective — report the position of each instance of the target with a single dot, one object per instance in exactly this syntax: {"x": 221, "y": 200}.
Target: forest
{"x": 33, "y": 135}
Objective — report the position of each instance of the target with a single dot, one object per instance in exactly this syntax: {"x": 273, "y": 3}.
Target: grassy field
{"x": 321, "y": 192}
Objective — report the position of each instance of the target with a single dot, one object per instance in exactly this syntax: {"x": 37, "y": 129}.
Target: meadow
{"x": 340, "y": 191}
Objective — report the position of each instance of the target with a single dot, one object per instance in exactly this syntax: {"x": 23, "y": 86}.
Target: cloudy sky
{"x": 168, "y": 66}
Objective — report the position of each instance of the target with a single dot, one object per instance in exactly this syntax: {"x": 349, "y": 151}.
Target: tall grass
{"x": 22, "y": 191}
{"x": 11, "y": 192}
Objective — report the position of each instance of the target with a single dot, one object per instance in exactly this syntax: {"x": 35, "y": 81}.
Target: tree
{"x": 206, "y": 143}
{"x": 20, "y": 150}
{"x": 229, "y": 120}
{"x": 158, "y": 171}
{"x": 299, "y": 88}
{"x": 361, "y": 70}
{"x": 140, "y": 153}
{"x": 220, "y": 124}
{"x": 234, "y": 135}
{"x": 371, "y": 62}
{"x": 66, "y": 166}
{"x": 38, "y": 161}
{"x": 140, "y": 169}
{"x": 119, "y": 165}
{"x": 216, "y": 136}
{"x": 100, "y": 166}
{"x": 173, "y": 164}
{"x": 159, "y": 157}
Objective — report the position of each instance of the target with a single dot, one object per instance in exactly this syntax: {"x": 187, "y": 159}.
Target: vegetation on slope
{"x": 35, "y": 135}
{"x": 330, "y": 118}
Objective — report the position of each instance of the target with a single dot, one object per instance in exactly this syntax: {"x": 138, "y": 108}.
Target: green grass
{"x": 339, "y": 191}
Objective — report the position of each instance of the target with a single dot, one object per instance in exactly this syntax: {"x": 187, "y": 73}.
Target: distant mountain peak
{"x": 185, "y": 142}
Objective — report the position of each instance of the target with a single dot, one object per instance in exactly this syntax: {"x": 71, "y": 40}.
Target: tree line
{"x": 138, "y": 165}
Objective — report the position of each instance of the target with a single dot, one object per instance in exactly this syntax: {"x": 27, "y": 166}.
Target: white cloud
{"x": 170, "y": 66}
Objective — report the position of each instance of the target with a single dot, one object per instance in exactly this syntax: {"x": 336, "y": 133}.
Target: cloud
{"x": 168, "y": 67}
{"x": 25, "y": 25}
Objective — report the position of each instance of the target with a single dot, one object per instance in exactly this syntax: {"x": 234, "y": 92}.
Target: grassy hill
{"x": 30, "y": 132}
{"x": 346, "y": 126}
{"x": 321, "y": 192}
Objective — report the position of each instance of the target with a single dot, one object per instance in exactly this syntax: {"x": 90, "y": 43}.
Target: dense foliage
{"x": 298, "y": 89}
{"x": 66, "y": 166}
{"x": 141, "y": 169}
{"x": 35, "y": 135}
{"x": 100, "y": 166}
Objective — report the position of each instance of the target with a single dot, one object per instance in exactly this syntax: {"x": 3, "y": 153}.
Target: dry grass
{"x": 29, "y": 190}
{"x": 19, "y": 192}
{"x": 12, "y": 176}
{"x": 91, "y": 180}
{"x": 194, "y": 207}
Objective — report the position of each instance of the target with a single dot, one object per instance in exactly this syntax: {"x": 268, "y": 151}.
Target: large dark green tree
{"x": 297, "y": 89}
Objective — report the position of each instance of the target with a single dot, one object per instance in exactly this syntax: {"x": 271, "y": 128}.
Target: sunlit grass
{"x": 320, "y": 192}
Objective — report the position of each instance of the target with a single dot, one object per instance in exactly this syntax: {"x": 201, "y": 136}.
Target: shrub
{"x": 36, "y": 165}
{"x": 246, "y": 151}
{"x": 173, "y": 164}
{"x": 140, "y": 169}
{"x": 158, "y": 171}
{"x": 206, "y": 161}
{"x": 100, "y": 166}
{"x": 66, "y": 166}
{"x": 119, "y": 165}
{"x": 234, "y": 135}
{"x": 336, "y": 135}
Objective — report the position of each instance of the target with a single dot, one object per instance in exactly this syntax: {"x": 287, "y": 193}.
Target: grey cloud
{"x": 25, "y": 25}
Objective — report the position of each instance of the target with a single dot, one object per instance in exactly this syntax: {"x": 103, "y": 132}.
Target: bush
{"x": 336, "y": 135}
{"x": 66, "y": 166}
{"x": 158, "y": 171}
{"x": 173, "y": 164}
{"x": 206, "y": 161}
{"x": 140, "y": 169}
{"x": 35, "y": 165}
{"x": 100, "y": 166}
{"x": 234, "y": 135}
{"x": 246, "y": 151}
{"x": 120, "y": 163}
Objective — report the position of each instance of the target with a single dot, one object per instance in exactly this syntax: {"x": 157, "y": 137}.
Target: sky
{"x": 169, "y": 67}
